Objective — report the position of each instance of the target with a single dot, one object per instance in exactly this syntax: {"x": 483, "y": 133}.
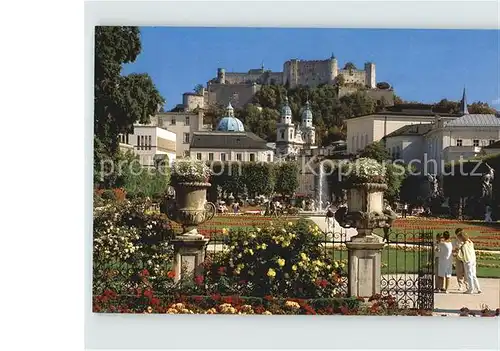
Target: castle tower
{"x": 221, "y": 75}
{"x": 334, "y": 68}
{"x": 463, "y": 105}
{"x": 370, "y": 79}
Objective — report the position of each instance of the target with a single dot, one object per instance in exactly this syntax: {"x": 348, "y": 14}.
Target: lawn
{"x": 399, "y": 261}
{"x": 486, "y": 236}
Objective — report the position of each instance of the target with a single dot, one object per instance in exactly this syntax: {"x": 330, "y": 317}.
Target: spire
{"x": 463, "y": 105}
{"x": 230, "y": 110}
{"x": 333, "y": 56}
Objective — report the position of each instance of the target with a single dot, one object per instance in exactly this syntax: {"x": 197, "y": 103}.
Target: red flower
{"x": 155, "y": 301}
{"x": 259, "y": 309}
{"x": 144, "y": 273}
{"x": 227, "y": 299}
{"x": 222, "y": 270}
{"x": 197, "y": 298}
{"x": 216, "y": 297}
{"x": 198, "y": 279}
{"x": 148, "y": 293}
{"x": 138, "y": 292}
{"x": 171, "y": 274}
{"x": 268, "y": 298}
{"x": 344, "y": 310}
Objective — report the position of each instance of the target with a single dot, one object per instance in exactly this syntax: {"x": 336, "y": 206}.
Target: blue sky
{"x": 421, "y": 65}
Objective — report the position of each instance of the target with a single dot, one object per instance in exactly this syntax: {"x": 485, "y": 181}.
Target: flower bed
{"x": 147, "y": 302}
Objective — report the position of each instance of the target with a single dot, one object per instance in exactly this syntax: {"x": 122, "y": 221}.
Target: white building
{"x": 150, "y": 143}
{"x": 365, "y": 130}
{"x": 183, "y": 124}
{"x": 230, "y": 142}
{"x": 291, "y": 139}
{"x": 444, "y": 140}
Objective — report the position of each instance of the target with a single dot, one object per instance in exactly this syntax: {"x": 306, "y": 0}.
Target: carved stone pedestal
{"x": 365, "y": 261}
{"x": 189, "y": 254}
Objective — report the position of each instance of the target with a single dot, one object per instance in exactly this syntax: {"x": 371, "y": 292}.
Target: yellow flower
{"x": 301, "y": 264}
{"x": 264, "y": 246}
{"x": 336, "y": 264}
{"x": 285, "y": 244}
{"x": 149, "y": 309}
{"x": 328, "y": 267}
{"x": 290, "y": 224}
{"x": 316, "y": 269}
{"x": 224, "y": 231}
{"x": 294, "y": 268}
{"x": 303, "y": 256}
{"x": 237, "y": 271}
{"x": 239, "y": 255}
{"x": 342, "y": 265}
{"x": 253, "y": 236}
{"x": 240, "y": 266}
{"x": 267, "y": 313}
{"x": 258, "y": 230}
{"x": 250, "y": 251}
{"x": 258, "y": 247}
{"x": 271, "y": 273}
{"x": 281, "y": 262}
{"x": 292, "y": 304}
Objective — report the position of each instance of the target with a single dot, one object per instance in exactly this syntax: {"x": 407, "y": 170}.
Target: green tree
{"x": 198, "y": 88}
{"x": 377, "y": 151}
{"x": 259, "y": 178}
{"x": 287, "y": 178}
{"x": 349, "y": 66}
{"x": 261, "y": 121}
{"x": 481, "y": 108}
{"x": 340, "y": 80}
{"x": 119, "y": 101}
{"x": 357, "y": 104}
{"x": 395, "y": 174}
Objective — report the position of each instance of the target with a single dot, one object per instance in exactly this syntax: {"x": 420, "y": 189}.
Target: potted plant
{"x": 365, "y": 181}
{"x": 190, "y": 179}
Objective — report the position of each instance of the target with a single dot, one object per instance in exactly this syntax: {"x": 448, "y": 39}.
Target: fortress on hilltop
{"x": 238, "y": 88}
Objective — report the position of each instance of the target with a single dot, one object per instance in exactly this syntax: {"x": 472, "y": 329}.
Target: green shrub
{"x": 278, "y": 261}
{"x": 108, "y": 194}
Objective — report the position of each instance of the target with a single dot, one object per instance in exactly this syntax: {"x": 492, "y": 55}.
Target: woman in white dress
{"x": 445, "y": 267}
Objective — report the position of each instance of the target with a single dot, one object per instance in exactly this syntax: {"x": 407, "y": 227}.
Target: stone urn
{"x": 365, "y": 209}
{"x": 191, "y": 208}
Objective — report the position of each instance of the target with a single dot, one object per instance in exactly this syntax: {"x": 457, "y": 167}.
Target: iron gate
{"x": 408, "y": 269}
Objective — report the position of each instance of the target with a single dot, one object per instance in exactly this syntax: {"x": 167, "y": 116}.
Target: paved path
{"x": 455, "y": 300}
{"x": 350, "y": 232}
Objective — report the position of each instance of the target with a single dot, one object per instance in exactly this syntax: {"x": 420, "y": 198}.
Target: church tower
{"x": 308, "y": 130}
{"x": 285, "y": 131}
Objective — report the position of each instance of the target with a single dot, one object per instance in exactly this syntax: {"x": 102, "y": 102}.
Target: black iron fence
{"x": 408, "y": 269}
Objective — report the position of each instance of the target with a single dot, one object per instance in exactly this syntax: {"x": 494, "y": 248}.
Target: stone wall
{"x": 237, "y": 94}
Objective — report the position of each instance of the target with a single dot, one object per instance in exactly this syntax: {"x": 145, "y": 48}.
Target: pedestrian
{"x": 459, "y": 264}
{"x": 236, "y": 207}
{"x": 445, "y": 262}
{"x": 467, "y": 254}
{"x": 405, "y": 210}
{"x": 329, "y": 219}
{"x": 438, "y": 283}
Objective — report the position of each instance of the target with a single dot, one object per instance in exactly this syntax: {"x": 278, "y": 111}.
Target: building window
{"x": 198, "y": 156}
{"x": 187, "y": 121}
{"x": 238, "y": 157}
{"x": 210, "y": 156}
{"x": 138, "y": 142}
{"x": 186, "y": 153}
{"x": 142, "y": 142}
{"x": 282, "y": 134}
{"x": 222, "y": 156}
{"x": 126, "y": 138}
{"x": 186, "y": 138}
{"x": 268, "y": 157}
{"x": 172, "y": 122}
{"x": 475, "y": 142}
{"x": 252, "y": 157}
{"x": 459, "y": 142}
{"x": 491, "y": 141}
{"x": 149, "y": 142}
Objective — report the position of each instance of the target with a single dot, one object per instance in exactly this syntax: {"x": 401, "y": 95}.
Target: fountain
{"x": 322, "y": 189}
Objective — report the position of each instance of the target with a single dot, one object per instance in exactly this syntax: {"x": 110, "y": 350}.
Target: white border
{"x": 161, "y": 331}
